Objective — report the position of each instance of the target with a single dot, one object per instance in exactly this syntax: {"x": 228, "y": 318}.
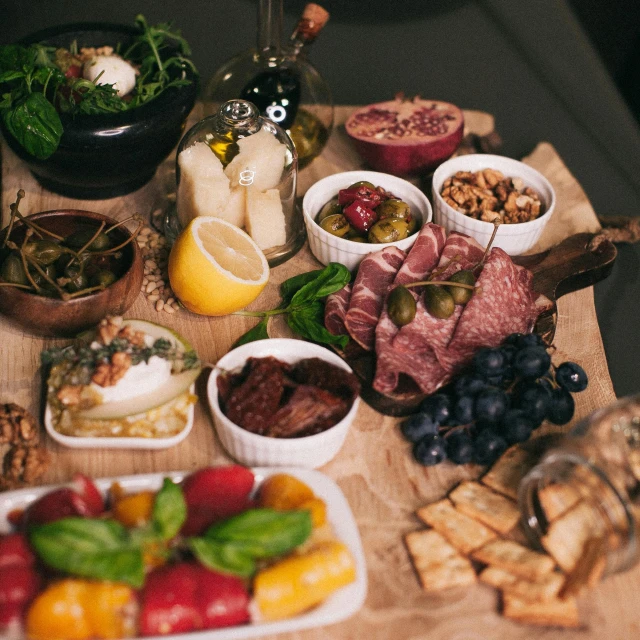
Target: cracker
{"x": 486, "y": 505}
{"x": 505, "y": 475}
{"x": 557, "y": 499}
{"x": 553, "y": 613}
{"x": 567, "y": 536}
{"x": 437, "y": 563}
{"x": 514, "y": 558}
{"x": 544, "y": 588}
{"x": 463, "y": 532}
{"x": 589, "y": 568}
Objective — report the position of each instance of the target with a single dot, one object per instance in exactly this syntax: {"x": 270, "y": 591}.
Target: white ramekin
{"x": 255, "y": 450}
{"x": 329, "y": 248}
{"x": 512, "y": 238}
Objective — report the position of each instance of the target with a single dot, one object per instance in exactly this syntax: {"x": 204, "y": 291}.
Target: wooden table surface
{"x": 375, "y": 470}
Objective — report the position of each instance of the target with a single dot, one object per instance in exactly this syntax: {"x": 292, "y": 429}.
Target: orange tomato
{"x": 282, "y": 491}
{"x": 135, "y": 509}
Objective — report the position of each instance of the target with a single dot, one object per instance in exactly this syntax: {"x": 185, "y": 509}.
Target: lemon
{"x": 215, "y": 268}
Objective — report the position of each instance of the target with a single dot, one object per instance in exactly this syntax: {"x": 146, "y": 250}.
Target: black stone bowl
{"x": 104, "y": 156}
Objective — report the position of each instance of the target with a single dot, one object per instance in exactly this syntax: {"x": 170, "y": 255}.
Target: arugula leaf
{"x": 223, "y": 557}
{"x": 89, "y": 548}
{"x": 308, "y": 322}
{"x": 263, "y": 533}
{"x": 331, "y": 279}
{"x": 259, "y": 332}
{"x": 35, "y": 124}
{"x": 169, "y": 510}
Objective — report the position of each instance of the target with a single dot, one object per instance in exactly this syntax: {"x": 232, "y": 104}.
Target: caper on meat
{"x": 336, "y": 225}
{"x": 13, "y": 271}
{"x": 438, "y": 301}
{"x": 389, "y": 230}
{"x": 331, "y": 208}
{"x": 462, "y": 295}
{"x": 401, "y": 306}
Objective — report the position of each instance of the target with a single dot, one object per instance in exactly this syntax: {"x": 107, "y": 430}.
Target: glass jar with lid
{"x": 581, "y": 502}
{"x": 241, "y": 167}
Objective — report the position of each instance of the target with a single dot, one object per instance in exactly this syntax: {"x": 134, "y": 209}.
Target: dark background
{"x": 565, "y": 71}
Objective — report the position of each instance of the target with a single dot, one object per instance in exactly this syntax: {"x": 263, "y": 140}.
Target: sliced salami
{"x": 335, "y": 310}
{"x": 426, "y": 332}
{"x": 504, "y": 303}
{"x": 422, "y": 258}
{"x": 375, "y": 274}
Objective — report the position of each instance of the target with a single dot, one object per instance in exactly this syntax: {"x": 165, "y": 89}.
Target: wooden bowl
{"x": 55, "y": 317}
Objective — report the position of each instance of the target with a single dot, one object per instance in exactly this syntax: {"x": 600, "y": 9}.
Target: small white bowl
{"x": 513, "y": 238}
{"x": 329, "y": 248}
{"x": 255, "y": 450}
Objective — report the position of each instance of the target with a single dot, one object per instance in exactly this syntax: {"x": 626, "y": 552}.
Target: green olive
{"x": 80, "y": 238}
{"x": 44, "y": 251}
{"x": 401, "y": 306}
{"x": 461, "y": 295}
{"x": 331, "y": 208}
{"x": 355, "y": 238}
{"x": 77, "y": 283}
{"x": 393, "y": 208}
{"x": 388, "y": 230}
{"x": 336, "y": 225}
{"x": 104, "y": 278}
{"x": 362, "y": 183}
{"x": 13, "y": 271}
{"x": 439, "y": 303}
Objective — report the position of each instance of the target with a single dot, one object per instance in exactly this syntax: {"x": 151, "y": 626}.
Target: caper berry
{"x": 461, "y": 295}
{"x": 336, "y": 225}
{"x": 439, "y": 303}
{"x": 104, "y": 278}
{"x": 330, "y": 209}
{"x": 388, "y": 230}
{"x": 77, "y": 283}
{"x": 13, "y": 271}
{"x": 393, "y": 208}
{"x": 362, "y": 183}
{"x": 401, "y": 306}
{"x": 44, "y": 251}
{"x": 80, "y": 238}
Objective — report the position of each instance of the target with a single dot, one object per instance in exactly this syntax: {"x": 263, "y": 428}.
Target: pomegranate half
{"x": 406, "y": 136}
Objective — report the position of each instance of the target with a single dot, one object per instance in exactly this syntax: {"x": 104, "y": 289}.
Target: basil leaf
{"x": 89, "y": 548}
{"x": 289, "y": 287}
{"x": 35, "y": 124}
{"x": 14, "y": 57}
{"x": 223, "y": 557}
{"x": 7, "y": 76}
{"x": 259, "y": 332}
{"x": 263, "y": 533}
{"x": 331, "y": 279}
{"x": 308, "y": 322}
{"x": 169, "y": 510}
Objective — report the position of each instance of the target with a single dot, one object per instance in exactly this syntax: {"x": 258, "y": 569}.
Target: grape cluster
{"x": 505, "y": 395}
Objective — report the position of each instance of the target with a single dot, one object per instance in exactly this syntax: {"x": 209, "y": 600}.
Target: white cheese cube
{"x": 259, "y": 163}
{"x": 265, "y": 218}
{"x": 235, "y": 211}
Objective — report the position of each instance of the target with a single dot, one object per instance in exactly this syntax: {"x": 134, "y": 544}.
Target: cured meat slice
{"x": 422, "y": 258}
{"x": 504, "y": 303}
{"x": 335, "y": 310}
{"x": 375, "y": 274}
{"x": 426, "y": 332}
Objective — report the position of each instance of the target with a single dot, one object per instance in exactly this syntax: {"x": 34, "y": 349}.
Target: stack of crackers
{"x": 474, "y": 534}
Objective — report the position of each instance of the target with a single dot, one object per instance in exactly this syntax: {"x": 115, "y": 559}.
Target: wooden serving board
{"x": 579, "y": 261}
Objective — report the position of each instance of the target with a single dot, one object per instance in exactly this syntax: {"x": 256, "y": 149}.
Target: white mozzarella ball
{"x": 114, "y": 70}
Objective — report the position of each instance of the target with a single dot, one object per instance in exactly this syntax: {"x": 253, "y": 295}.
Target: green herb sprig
{"x": 302, "y": 298}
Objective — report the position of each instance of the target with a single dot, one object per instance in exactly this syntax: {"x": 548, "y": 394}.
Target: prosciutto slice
{"x": 375, "y": 274}
{"x": 422, "y": 258}
{"x": 504, "y": 303}
{"x": 426, "y": 333}
{"x": 335, "y": 310}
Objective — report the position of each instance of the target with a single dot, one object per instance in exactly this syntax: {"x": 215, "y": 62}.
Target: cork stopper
{"x": 313, "y": 19}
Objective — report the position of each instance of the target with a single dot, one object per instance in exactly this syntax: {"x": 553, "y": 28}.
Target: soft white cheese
{"x": 137, "y": 381}
{"x": 111, "y": 70}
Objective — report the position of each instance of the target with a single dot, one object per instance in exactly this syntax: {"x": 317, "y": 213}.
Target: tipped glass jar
{"x": 581, "y": 503}
{"x": 241, "y": 167}
{"x": 280, "y": 80}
